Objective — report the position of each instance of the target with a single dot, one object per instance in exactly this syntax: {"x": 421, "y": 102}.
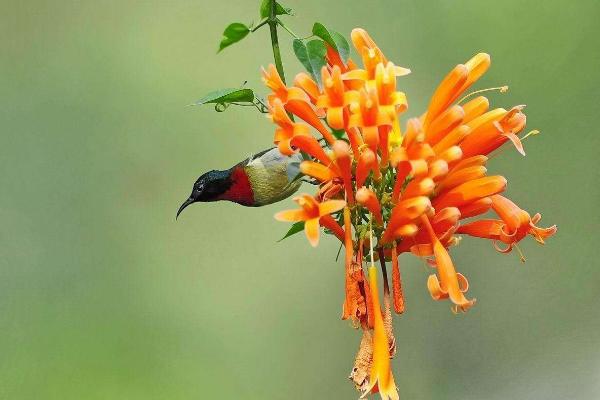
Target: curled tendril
{"x": 220, "y": 107}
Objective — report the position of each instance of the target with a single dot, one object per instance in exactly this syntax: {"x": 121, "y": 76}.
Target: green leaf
{"x": 302, "y": 54}
{"x": 224, "y": 96}
{"x": 334, "y": 39}
{"x": 279, "y": 9}
{"x": 296, "y": 227}
{"x": 311, "y": 55}
{"x": 233, "y": 34}
{"x": 316, "y": 56}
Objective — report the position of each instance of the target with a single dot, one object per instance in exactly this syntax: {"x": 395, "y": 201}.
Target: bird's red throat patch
{"x": 240, "y": 190}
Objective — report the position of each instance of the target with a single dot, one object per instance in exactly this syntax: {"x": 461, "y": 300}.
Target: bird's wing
{"x": 255, "y": 156}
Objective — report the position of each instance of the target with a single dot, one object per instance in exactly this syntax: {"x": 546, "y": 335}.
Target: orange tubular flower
{"x": 494, "y": 130}
{"x": 474, "y": 108}
{"x": 403, "y": 218}
{"x": 444, "y": 123}
{"x": 448, "y": 283}
{"x": 470, "y": 191}
{"x": 381, "y": 377}
{"x": 368, "y": 117}
{"x": 335, "y": 97}
{"x": 418, "y": 187}
{"x": 273, "y": 81}
{"x": 311, "y": 212}
{"x": 294, "y": 100}
{"x": 367, "y": 198}
{"x": 317, "y": 171}
{"x": 444, "y": 224}
{"x": 367, "y": 162}
{"x": 287, "y": 129}
{"x": 449, "y": 89}
{"x": 390, "y": 101}
{"x": 333, "y": 58}
{"x": 344, "y": 162}
{"x": 513, "y": 226}
{"x": 310, "y": 87}
{"x": 461, "y": 175}
{"x": 371, "y": 56}
{"x": 310, "y": 145}
{"x": 304, "y": 110}
{"x": 338, "y": 170}
{"x": 476, "y": 67}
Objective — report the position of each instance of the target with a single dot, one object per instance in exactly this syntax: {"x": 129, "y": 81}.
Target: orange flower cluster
{"x": 410, "y": 190}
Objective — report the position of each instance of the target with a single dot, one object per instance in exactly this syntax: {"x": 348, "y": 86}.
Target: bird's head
{"x": 208, "y": 187}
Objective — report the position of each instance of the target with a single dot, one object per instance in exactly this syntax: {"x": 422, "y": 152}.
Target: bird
{"x": 264, "y": 178}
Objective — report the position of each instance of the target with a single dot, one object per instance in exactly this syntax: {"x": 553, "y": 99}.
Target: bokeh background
{"x": 104, "y": 296}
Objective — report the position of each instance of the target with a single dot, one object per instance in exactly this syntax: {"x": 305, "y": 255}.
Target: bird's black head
{"x": 209, "y": 187}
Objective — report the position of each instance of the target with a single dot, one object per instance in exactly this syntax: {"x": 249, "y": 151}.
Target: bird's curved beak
{"x": 184, "y": 205}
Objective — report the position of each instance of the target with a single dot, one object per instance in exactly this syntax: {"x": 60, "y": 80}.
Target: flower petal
{"x": 477, "y": 66}
{"x": 444, "y": 123}
{"x": 367, "y": 162}
{"x": 291, "y": 215}
{"x": 476, "y": 107}
{"x": 341, "y": 150}
{"x": 446, "y": 271}
{"x": 367, "y": 198}
{"x": 484, "y": 228}
{"x": 328, "y": 222}
{"x": 476, "y": 207}
{"x": 470, "y": 191}
{"x": 461, "y": 176}
{"x": 311, "y": 228}
{"x": 316, "y": 170}
{"x": 310, "y": 145}
{"x": 331, "y": 206}
{"x": 448, "y": 90}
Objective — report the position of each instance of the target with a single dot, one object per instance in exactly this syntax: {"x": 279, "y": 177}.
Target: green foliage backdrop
{"x": 104, "y": 296}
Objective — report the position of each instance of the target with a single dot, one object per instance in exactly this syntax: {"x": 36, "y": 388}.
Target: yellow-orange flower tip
{"x": 368, "y": 199}
{"x": 361, "y": 38}
{"x": 477, "y": 66}
{"x": 271, "y": 78}
{"x": 381, "y": 378}
{"x": 311, "y": 211}
{"x": 310, "y": 87}
{"x": 448, "y": 90}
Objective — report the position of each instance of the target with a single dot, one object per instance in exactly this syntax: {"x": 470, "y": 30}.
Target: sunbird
{"x": 264, "y": 178}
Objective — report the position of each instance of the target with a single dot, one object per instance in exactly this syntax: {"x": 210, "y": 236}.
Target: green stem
{"x": 259, "y": 25}
{"x": 272, "y": 21}
{"x": 284, "y": 26}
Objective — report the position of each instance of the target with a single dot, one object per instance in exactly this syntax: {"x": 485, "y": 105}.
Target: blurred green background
{"x": 104, "y": 296}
